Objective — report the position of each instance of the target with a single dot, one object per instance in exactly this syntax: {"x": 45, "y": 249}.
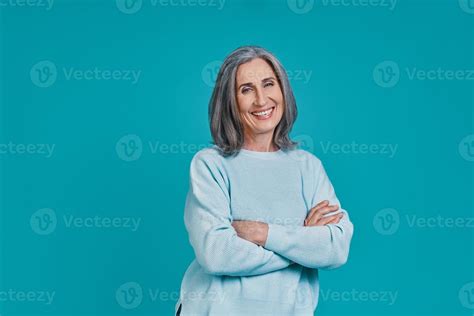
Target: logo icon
{"x": 466, "y": 295}
{"x": 387, "y": 221}
{"x": 386, "y": 74}
{"x": 306, "y": 143}
{"x": 301, "y": 297}
{"x": 129, "y": 147}
{"x": 466, "y": 147}
{"x": 43, "y": 74}
{"x": 467, "y": 6}
{"x": 129, "y": 6}
{"x": 210, "y": 71}
{"x": 43, "y": 221}
{"x": 300, "y": 6}
{"x": 129, "y": 295}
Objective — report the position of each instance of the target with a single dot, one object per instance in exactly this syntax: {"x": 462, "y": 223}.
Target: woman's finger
{"x": 335, "y": 220}
{"x": 323, "y": 202}
{"x": 319, "y": 213}
{"x": 322, "y": 221}
{"x": 316, "y": 208}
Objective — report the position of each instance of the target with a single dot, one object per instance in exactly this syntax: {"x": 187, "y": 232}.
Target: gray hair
{"x": 226, "y": 127}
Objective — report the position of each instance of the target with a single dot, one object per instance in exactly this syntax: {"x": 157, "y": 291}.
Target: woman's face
{"x": 259, "y": 97}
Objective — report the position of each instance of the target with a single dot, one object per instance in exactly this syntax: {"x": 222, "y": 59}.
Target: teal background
{"x": 171, "y": 46}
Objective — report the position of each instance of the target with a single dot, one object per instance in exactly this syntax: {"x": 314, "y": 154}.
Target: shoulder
{"x": 304, "y": 157}
{"x": 209, "y": 165}
{"x": 209, "y": 157}
{"x": 207, "y": 154}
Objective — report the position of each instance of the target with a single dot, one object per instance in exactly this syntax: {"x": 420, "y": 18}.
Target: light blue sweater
{"x": 233, "y": 276}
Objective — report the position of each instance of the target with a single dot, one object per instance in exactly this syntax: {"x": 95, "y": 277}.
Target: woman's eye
{"x": 268, "y": 84}
{"x": 245, "y": 90}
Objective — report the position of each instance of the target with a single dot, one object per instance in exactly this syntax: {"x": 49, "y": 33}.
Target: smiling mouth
{"x": 265, "y": 113}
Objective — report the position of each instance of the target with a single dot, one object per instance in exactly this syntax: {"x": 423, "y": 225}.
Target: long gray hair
{"x": 226, "y": 128}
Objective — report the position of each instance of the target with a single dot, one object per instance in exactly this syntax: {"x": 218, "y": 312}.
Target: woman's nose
{"x": 260, "y": 98}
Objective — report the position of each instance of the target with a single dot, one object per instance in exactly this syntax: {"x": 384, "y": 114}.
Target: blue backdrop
{"x": 104, "y": 103}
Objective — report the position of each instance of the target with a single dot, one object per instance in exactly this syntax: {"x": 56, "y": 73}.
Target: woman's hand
{"x": 252, "y": 231}
{"x": 257, "y": 232}
{"x": 315, "y": 216}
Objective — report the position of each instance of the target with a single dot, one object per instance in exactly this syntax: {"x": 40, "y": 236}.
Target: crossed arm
{"x": 245, "y": 248}
{"x": 257, "y": 232}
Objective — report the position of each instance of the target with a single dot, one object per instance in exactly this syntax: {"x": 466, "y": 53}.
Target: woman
{"x": 262, "y": 216}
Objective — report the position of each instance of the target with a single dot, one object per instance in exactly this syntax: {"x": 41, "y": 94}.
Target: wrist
{"x": 263, "y": 234}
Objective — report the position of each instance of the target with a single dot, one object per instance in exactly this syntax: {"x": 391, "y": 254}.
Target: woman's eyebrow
{"x": 269, "y": 78}
{"x": 251, "y": 84}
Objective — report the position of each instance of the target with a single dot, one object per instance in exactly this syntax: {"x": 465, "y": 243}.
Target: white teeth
{"x": 263, "y": 113}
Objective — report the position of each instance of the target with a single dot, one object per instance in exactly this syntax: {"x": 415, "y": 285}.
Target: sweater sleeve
{"x": 208, "y": 219}
{"x": 321, "y": 247}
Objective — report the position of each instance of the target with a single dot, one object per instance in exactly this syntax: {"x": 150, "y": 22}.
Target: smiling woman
{"x": 262, "y": 216}
{"x": 251, "y": 81}
{"x": 260, "y": 101}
